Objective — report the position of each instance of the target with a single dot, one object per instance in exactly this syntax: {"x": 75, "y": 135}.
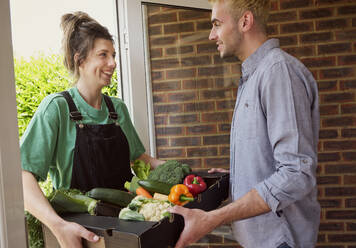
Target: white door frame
{"x": 12, "y": 219}
{"x": 137, "y": 93}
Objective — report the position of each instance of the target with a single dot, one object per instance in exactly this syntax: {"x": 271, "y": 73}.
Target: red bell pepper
{"x": 195, "y": 184}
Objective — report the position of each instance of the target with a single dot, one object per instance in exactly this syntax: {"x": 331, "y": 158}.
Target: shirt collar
{"x": 250, "y": 64}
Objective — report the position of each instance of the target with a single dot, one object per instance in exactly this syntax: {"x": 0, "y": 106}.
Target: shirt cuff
{"x": 267, "y": 196}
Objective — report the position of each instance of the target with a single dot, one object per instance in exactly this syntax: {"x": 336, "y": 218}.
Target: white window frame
{"x": 12, "y": 219}
{"x": 137, "y": 92}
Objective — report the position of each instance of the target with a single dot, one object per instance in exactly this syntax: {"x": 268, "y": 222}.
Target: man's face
{"x": 225, "y": 31}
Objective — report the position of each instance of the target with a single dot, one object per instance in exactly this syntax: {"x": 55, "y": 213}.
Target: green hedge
{"x": 36, "y": 78}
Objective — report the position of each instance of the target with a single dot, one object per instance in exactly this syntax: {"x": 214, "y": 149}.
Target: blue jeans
{"x": 284, "y": 245}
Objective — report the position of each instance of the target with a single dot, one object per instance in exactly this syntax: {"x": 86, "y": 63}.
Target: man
{"x": 273, "y": 142}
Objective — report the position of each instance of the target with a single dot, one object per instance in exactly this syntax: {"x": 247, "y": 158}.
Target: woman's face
{"x": 100, "y": 64}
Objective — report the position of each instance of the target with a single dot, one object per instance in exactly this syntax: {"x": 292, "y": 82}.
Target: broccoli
{"x": 171, "y": 172}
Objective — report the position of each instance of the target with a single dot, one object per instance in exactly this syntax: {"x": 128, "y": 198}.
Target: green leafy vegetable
{"x": 171, "y": 172}
{"x": 128, "y": 214}
{"x": 141, "y": 169}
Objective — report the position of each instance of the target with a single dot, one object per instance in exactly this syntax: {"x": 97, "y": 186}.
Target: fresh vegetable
{"x": 128, "y": 214}
{"x": 114, "y": 196}
{"x": 143, "y": 192}
{"x": 151, "y": 209}
{"x": 133, "y": 185}
{"x": 161, "y": 197}
{"x": 195, "y": 184}
{"x": 73, "y": 201}
{"x": 171, "y": 172}
{"x": 180, "y": 195}
{"x": 156, "y": 186}
{"x": 141, "y": 169}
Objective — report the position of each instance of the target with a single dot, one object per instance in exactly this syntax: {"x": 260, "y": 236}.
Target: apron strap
{"x": 112, "y": 113}
{"x": 74, "y": 114}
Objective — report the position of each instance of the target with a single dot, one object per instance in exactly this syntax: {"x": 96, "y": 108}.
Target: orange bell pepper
{"x": 180, "y": 195}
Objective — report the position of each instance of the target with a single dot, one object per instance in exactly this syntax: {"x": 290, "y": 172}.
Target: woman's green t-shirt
{"x": 49, "y": 140}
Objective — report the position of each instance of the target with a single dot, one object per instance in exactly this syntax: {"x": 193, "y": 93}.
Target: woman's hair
{"x": 259, "y": 9}
{"x": 79, "y": 34}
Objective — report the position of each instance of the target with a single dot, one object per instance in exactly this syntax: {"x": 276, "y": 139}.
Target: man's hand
{"x": 212, "y": 170}
{"x": 197, "y": 224}
{"x": 70, "y": 235}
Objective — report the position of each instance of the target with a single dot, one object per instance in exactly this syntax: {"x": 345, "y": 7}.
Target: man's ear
{"x": 247, "y": 21}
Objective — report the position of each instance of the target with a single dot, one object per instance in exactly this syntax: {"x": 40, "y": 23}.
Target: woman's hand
{"x": 212, "y": 170}
{"x": 70, "y": 234}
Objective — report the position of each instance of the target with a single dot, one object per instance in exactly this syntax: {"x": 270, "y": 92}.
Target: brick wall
{"x": 194, "y": 92}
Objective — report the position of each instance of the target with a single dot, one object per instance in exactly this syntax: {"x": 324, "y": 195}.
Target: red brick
{"x": 156, "y": 53}
{"x": 334, "y": 48}
{"x": 180, "y": 73}
{"x": 349, "y": 35}
{"x": 217, "y": 162}
{"x": 188, "y": 15}
{"x": 322, "y": 238}
{"x": 216, "y": 117}
{"x": 342, "y": 237}
{"x": 348, "y": 84}
{"x": 291, "y": 4}
{"x": 203, "y": 25}
{"x": 349, "y": 156}
{"x": 162, "y": 18}
{"x": 202, "y": 152}
{"x": 193, "y": 163}
{"x": 169, "y": 131}
{"x": 300, "y": 51}
{"x": 170, "y": 153}
{"x": 288, "y": 40}
{"x": 194, "y": 61}
{"x": 341, "y": 191}
{"x": 167, "y": 40}
{"x": 347, "y": 60}
{"x": 198, "y": 83}
{"x": 226, "y": 104}
{"x": 224, "y": 151}
{"x": 216, "y": 140}
{"x": 348, "y": 179}
{"x": 183, "y": 119}
{"x": 319, "y": 62}
{"x": 215, "y": 94}
{"x": 161, "y": 120}
{"x": 207, "y": 48}
{"x": 182, "y": 97}
{"x": 177, "y": 28}
{"x": 338, "y": 97}
{"x": 225, "y": 127}
{"x": 339, "y": 145}
{"x": 316, "y": 37}
{"x": 340, "y": 168}
{"x": 227, "y": 82}
{"x": 211, "y": 71}
{"x": 179, "y": 50}
{"x": 348, "y": 108}
{"x": 347, "y": 10}
{"x": 161, "y": 142}
{"x": 156, "y": 75}
{"x": 166, "y": 86}
{"x": 164, "y": 63}
{"x": 199, "y": 106}
{"x": 330, "y": 203}
{"x": 349, "y": 133}
{"x": 328, "y": 110}
{"x": 151, "y": 9}
{"x": 331, "y": 226}
{"x": 328, "y": 157}
{"x": 282, "y": 16}
{"x": 337, "y": 73}
{"x": 354, "y": 22}
{"x": 350, "y": 203}
{"x": 296, "y": 27}
{"x": 219, "y": 60}
{"x": 331, "y": 24}
{"x": 185, "y": 141}
{"x": 315, "y": 13}
{"x": 272, "y": 29}
{"x": 351, "y": 227}
{"x": 202, "y": 129}
{"x": 327, "y": 85}
{"x": 168, "y": 108}
{"x": 159, "y": 98}
{"x": 198, "y": 37}
{"x": 274, "y": 6}
{"x": 330, "y": 2}
{"x": 328, "y": 180}
{"x": 155, "y": 30}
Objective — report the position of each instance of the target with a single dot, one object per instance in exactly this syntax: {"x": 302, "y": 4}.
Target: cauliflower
{"x": 151, "y": 209}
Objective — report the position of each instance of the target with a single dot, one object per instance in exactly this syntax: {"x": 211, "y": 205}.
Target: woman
{"x": 83, "y": 138}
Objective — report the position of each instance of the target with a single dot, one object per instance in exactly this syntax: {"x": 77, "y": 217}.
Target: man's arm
{"x": 68, "y": 234}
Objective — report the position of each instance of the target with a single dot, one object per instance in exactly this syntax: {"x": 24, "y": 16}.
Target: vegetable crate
{"x": 116, "y": 233}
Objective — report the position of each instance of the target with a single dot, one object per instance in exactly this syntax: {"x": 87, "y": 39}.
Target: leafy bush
{"x": 36, "y": 78}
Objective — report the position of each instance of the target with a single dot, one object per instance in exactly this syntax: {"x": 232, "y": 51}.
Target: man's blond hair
{"x": 259, "y": 9}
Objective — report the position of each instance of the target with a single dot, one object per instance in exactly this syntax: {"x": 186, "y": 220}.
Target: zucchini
{"x": 113, "y": 196}
{"x": 156, "y": 187}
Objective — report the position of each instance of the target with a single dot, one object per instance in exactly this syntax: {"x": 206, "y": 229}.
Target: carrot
{"x": 143, "y": 192}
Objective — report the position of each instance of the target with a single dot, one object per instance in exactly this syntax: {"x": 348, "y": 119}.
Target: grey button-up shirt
{"x": 274, "y": 138}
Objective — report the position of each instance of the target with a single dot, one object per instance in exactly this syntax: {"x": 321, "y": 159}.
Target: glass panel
{"x": 193, "y": 89}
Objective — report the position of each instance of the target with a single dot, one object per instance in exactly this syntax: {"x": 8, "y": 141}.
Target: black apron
{"x": 101, "y": 155}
